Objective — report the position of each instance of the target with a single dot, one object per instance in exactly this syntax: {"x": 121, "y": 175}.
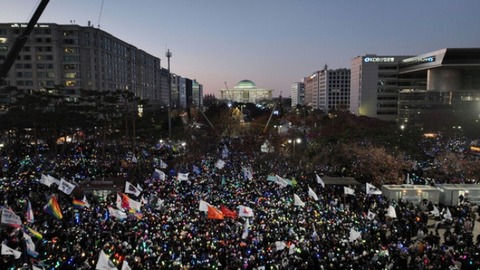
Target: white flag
{"x": 116, "y": 213}
{"x": 157, "y": 174}
{"x": 44, "y": 179}
{"x": 312, "y": 194}
{"x": 391, "y": 212}
{"x": 66, "y": 187}
{"x": 448, "y": 215}
{"x": 131, "y": 189}
{"x": 280, "y": 181}
{"x": 297, "y": 201}
{"x": 354, "y": 235}
{"x": 220, "y": 164}
{"x": 53, "y": 180}
{"x": 125, "y": 266}
{"x": 291, "y": 249}
{"x": 182, "y": 176}
{"x": 371, "y": 189}
{"x": 348, "y": 191}
{"x": 320, "y": 181}
{"x": 85, "y": 201}
{"x": 370, "y": 215}
{"x": 10, "y": 218}
{"x": 135, "y": 205}
{"x": 6, "y": 250}
{"x": 104, "y": 262}
{"x": 435, "y": 211}
{"x": 247, "y": 173}
{"x": 163, "y": 165}
{"x": 245, "y": 211}
{"x": 203, "y": 206}
{"x": 280, "y": 245}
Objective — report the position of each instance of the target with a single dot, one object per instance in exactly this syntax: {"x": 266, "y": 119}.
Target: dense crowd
{"x": 295, "y": 224}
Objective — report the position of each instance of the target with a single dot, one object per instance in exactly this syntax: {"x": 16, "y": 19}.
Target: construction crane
{"x": 20, "y": 41}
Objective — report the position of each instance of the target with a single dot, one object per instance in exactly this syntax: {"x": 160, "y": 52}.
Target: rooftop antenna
{"x": 100, "y": 15}
{"x": 168, "y": 54}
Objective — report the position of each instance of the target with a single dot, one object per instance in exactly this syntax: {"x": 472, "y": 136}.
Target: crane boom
{"x": 21, "y": 40}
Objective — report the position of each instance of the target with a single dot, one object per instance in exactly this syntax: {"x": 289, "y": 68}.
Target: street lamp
{"x": 168, "y": 54}
{"x": 294, "y": 142}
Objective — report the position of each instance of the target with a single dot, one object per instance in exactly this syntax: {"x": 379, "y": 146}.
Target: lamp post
{"x": 168, "y": 54}
{"x": 294, "y": 142}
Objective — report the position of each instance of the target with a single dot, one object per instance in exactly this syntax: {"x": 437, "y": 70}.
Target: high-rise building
{"x": 75, "y": 57}
{"x": 328, "y": 89}
{"x": 374, "y": 86}
{"x": 445, "y": 90}
{"x": 298, "y": 94}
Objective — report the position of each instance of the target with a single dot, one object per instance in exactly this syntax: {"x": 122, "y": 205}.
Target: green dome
{"x": 245, "y": 84}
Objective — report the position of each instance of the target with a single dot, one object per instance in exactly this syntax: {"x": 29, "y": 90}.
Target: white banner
{"x": 10, "y": 218}
{"x": 66, "y": 187}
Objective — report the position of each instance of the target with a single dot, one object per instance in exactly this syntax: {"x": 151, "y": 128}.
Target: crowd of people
{"x": 248, "y": 211}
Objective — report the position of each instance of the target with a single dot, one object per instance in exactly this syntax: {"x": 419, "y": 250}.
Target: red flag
{"x": 214, "y": 213}
{"x": 227, "y": 212}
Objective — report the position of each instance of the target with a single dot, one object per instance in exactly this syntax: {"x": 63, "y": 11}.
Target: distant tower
{"x": 168, "y": 54}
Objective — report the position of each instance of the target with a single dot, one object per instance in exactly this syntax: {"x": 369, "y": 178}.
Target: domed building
{"x": 246, "y": 91}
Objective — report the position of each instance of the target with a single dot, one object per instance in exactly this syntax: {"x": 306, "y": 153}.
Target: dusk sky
{"x": 271, "y": 42}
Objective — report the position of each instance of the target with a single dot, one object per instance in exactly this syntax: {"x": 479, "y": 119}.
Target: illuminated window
{"x": 71, "y": 75}
{"x": 3, "y": 40}
{"x": 70, "y": 83}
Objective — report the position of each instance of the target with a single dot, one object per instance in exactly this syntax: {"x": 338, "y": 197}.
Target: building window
{"x": 70, "y": 83}
{"x": 71, "y": 75}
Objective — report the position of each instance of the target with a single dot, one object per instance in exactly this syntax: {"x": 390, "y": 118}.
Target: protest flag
{"x": 131, "y": 189}
{"x": 158, "y": 175}
{"x": 435, "y": 211}
{"x": 6, "y": 250}
{"x": 391, "y": 212}
{"x": 214, "y": 213}
{"x": 370, "y": 215}
{"x": 312, "y": 194}
{"x": 66, "y": 187}
{"x": 30, "y": 246}
{"x": 348, "y": 191}
{"x": 220, "y": 164}
{"x": 203, "y": 206}
{"x": 104, "y": 262}
{"x": 245, "y": 211}
{"x": 297, "y": 201}
{"x": 79, "y": 204}
{"x": 53, "y": 208}
{"x": 227, "y": 212}
{"x": 320, "y": 181}
{"x": 10, "y": 218}
{"x": 125, "y": 266}
{"x": 354, "y": 235}
{"x": 29, "y": 214}
{"x": 182, "y": 176}
{"x": 448, "y": 215}
{"x": 33, "y": 232}
{"x": 371, "y": 189}
{"x": 163, "y": 165}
